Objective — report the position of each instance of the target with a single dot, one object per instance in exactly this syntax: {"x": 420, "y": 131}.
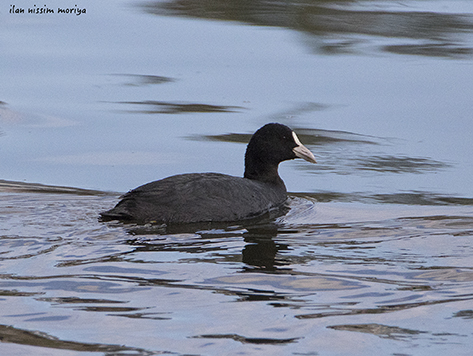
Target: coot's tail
{"x": 110, "y": 215}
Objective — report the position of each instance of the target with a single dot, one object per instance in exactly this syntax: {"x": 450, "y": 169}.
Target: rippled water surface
{"x": 327, "y": 278}
{"x": 374, "y": 256}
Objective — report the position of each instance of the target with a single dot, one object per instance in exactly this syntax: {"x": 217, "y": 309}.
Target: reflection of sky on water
{"x": 375, "y": 254}
{"x": 117, "y": 106}
{"x": 396, "y": 272}
{"x": 336, "y": 25}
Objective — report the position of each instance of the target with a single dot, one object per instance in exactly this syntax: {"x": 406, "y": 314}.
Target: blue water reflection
{"x": 375, "y": 249}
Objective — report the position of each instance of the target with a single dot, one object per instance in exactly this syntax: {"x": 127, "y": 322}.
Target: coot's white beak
{"x": 301, "y": 151}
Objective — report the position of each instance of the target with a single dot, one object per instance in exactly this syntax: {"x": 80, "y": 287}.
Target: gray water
{"x": 372, "y": 258}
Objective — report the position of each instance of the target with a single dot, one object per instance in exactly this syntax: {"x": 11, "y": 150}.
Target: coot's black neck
{"x": 262, "y": 171}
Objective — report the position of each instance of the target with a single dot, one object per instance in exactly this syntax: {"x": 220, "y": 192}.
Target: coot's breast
{"x": 199, "y": 197}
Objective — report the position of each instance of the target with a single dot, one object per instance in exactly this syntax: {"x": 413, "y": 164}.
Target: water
{"x": 374, "y": 255}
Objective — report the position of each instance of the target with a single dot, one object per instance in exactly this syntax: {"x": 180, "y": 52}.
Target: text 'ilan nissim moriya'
{"x": 46, "y": 10}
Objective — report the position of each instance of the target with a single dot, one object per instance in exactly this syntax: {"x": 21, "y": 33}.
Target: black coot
{"x": 213, "y": 197}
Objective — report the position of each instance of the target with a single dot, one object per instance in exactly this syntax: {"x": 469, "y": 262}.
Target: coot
{"x": 213, "y": 197}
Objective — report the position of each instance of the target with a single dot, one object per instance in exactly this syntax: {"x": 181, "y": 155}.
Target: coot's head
{"x": 269, "y": 146}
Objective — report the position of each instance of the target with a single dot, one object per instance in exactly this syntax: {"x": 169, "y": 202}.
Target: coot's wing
{"x": 201, "y": 197}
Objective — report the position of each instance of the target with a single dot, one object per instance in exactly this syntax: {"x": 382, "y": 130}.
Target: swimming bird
{"x": 215, "y": 197}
